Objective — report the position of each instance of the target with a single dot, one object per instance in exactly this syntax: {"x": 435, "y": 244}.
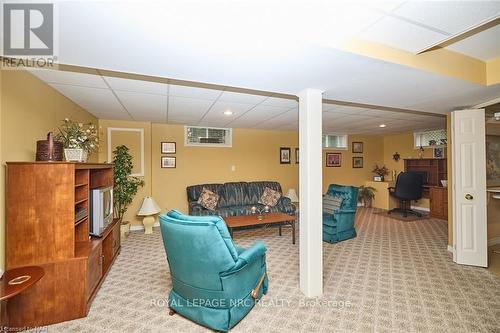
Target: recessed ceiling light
{"x": 228, "y": 113}
{"x": 382, "y": 125}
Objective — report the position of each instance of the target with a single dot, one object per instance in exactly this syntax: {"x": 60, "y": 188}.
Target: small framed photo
{"x": 357, "y": 162}
{"x": 168, "y": 148}
{"x": 438, "y": 152}
{"x": 168, "y": 162}
{"x": 357, "y": 147}
{"x": 296, "y": 155}
{"x": 285, "y": 153}
{"x": 333, "y": 159}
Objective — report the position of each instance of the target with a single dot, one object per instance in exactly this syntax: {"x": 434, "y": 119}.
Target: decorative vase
{"x": 124, "y": 230}
{"x": 75, "y": 155}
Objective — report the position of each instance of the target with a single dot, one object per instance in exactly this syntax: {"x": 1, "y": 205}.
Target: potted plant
{"x": 125, "y": 187}
{"x": 381, "y": 172}
{"x": 79, "y": 140}
{"x": 366, "y": 194}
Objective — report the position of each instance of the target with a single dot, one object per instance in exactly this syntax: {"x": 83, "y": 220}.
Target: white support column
{"x": 311, "y": 188}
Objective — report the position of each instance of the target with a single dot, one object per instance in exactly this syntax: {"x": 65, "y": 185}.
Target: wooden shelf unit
{"x": 41, "y": 229}
{"x": 433, "y": 190}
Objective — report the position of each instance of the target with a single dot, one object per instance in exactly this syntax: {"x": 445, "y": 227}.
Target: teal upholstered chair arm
{"x": 253, "y": 253}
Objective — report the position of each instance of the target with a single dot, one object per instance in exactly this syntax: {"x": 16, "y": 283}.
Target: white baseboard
{"x": 141, "y": 227}
{"x": 493, "y": 241}
{"x": 450, "y": 249}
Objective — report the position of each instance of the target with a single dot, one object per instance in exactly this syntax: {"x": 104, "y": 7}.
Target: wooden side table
{"x": 17, "y": 280}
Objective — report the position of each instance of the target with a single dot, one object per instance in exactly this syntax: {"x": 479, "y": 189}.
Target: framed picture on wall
{"x": 168, "y": 148}
{"x": 333, "y": 159}
{"x": 357, "y": 147}
{"x": 168, "y": 162}
{"x": 285, "y": 155}
{"x": 357, "y": 162}
{"x": 297, "y": 155}
{"x": 438, "y": 152}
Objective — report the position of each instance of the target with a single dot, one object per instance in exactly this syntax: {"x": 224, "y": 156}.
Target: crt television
{"x": 101, "y": 209}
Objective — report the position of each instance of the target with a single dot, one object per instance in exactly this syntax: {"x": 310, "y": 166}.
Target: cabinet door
{"x": 94, "y": 269}
{"x": 116, "y": 238}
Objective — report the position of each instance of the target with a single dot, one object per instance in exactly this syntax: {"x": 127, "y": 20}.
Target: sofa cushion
{"x": 235, "y": 194}
{"x": 331, "y": 203}
{"x": 255, "y": 190}
{"x": 270, "y": 197}
{"x": 208, "y": 199}
{"x": 194, "y": 192}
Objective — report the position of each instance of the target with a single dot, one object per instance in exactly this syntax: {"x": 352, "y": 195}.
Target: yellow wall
{"x": 255, "y": 155}
{"x": 493, "y": 71}
{"x": 373, "y": 148}
{"x": 29, "y": 109}
{"x": 130, "y": 140}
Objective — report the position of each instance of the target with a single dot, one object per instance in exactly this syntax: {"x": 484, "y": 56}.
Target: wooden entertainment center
{"x": 41, "y": 201}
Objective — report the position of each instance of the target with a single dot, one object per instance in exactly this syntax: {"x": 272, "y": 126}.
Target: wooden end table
{"x": 268, "y": 220}
{"x": 17, "y": 280}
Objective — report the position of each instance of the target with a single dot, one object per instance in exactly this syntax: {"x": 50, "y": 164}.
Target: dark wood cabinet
{"x": 438, "y": 199}
{"x": 43, "y": 229}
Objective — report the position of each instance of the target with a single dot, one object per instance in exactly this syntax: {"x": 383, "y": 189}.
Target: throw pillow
{"x": 270, "y": 197}
{"x": 331, "y": 204}
{"x": 208, "y": 199}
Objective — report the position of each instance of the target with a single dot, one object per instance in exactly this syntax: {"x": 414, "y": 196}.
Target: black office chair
{"x": 408, "y": 188}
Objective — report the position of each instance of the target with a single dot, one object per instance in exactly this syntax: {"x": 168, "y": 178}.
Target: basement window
{"x": 335, "y": 141}
{"x": 430, "y": 138}
{"x": 208, "y": 136}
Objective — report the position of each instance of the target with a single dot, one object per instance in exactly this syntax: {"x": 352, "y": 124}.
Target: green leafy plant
{"x": 381, "y": 171}
{"x": 126, "y": 186}
{"x": 366, "y": 194}
{"x": 78, "y": 135}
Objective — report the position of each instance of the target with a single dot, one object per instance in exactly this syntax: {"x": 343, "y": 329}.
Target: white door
{"x": 469, "y": 188}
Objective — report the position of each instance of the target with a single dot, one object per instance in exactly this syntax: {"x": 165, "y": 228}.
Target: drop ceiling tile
{"x": 401, "y": 35}
{"x": 460, "y": 15}
{"x": 484, "y": 45}
{"x": 141, "y": 106}
{"x": 216, "y": 113}
{"x": 256, "y": 115}
{"x": 137, "y": 85}
{"x": 69, "y": 78}
{"x": 234, "y": 97}
{"x": 187, "y": 108}
{"x": 193, "y": 92}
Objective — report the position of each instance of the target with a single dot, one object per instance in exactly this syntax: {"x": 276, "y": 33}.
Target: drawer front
{"x": 94, "y": 269}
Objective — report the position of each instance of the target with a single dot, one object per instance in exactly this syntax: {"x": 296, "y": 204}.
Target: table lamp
{"x": 292, "y": 194}
{"x": 148, "y": 208}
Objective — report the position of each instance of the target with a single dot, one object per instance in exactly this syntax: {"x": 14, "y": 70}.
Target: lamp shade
{"x": 292, "y": 194}
{"x": 149, "y": 207}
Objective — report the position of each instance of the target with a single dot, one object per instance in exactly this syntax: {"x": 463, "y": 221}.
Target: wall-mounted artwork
{"x": 438, "y": 152}
{"x": 168, "y": 148}
{"x": 357, "y": 162}
{"x": 168, "y": 162}
{"x": 333, "y": 159}
{"x": 285, "y": 155}
{"x": 357, "y": 147}
{"x": 493, "y": 160}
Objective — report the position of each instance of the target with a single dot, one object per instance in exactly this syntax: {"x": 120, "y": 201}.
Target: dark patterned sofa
{"x": 237, "y": 198}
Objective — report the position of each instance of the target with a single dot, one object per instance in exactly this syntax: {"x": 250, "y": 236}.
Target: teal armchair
{"x": 340, "y": 225}
{"x": 215, "y": 283}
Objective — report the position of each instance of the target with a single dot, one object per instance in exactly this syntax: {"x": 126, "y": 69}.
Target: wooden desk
{"x": 17, "y": 280}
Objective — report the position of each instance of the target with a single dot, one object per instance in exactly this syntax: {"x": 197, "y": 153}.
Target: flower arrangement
{"x": 75, "y": 135}
{"x": 381, "y": 171}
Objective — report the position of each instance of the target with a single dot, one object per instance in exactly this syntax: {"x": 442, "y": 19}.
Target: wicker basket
{"x": 75, "y": 155}
{"x": 49, "y": 150}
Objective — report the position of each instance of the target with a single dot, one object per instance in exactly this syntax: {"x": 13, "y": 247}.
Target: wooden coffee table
{"x": 268, "y": 220}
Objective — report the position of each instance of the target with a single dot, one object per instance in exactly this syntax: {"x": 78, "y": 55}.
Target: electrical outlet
{"x": 233, "y": 168}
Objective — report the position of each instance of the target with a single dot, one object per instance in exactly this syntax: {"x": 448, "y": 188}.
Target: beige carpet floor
{"x": 394, "y": 277}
